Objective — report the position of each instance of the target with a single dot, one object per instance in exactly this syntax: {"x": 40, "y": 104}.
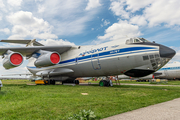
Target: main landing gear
{"x": 71, "y": 82}
{"x": 106, "y": 83}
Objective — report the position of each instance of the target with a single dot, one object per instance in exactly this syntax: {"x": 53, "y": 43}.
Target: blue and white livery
{"x": 137, "y": 57}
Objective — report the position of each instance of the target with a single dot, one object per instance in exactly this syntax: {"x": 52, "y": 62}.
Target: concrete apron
{"x": 163, "y": 111}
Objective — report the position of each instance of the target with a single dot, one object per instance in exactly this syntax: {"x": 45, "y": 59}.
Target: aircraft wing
{"x": 18, "y": 74}
{"x": 28, "y": 51}
{"x": 35, "y": 43}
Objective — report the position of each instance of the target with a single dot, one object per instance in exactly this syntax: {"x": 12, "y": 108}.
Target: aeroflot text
{"x": 93, "y": 51}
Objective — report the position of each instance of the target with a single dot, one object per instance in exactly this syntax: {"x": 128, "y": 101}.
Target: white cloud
{"x": 135, "y": 5}
{"x": 14, "y": 2}
{"x": 154, "y": 12}
{"x": 50, "y": 42}
{"x": 92, "y": 4}
{"x": 69, "y": 17}
{"x": 138, "y": 20}
{"x": 120, "y": 30}
{"x": 105, "y": 22}
{"x": 118, "y": 8}
{"x": 5, "y": 30}
{"x": 1, "y": 4}
{"x": 41, "y": 9}
{"x": 26, "y": 25}
{"x": 163, "y": 11}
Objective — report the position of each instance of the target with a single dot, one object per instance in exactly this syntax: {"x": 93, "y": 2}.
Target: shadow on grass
{"x": 14, "y": 85}
{"x": 2, "y": 93}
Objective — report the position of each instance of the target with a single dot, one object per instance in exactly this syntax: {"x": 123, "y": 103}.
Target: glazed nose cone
{"x": 166, "y": 52}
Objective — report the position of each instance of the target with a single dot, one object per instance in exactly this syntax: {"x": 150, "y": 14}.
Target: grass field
{"x": 21, "y": 101}
{"x": 170, "y": 82}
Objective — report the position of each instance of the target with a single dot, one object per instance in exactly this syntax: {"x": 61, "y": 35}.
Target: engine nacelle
{"x": 48, "y": 59}
{"x": 12, "y": 59}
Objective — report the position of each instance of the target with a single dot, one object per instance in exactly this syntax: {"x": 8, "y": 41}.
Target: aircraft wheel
{"x": 77, "y": 82}
{"x": 101, "y": 83}
{"x": 53, "y": 82}
{"x": 107, "y": 83}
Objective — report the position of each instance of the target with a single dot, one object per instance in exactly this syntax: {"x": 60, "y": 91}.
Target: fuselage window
{"x": 151, "y": 56}
{"x": 145, "y": 58}
{"x": 156, "y": 55}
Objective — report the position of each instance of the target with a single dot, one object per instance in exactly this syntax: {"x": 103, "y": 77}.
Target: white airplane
{"x": 168, "y": 72}
{"x": 137, "y": 57}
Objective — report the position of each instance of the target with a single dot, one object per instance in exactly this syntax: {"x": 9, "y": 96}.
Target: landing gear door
{"x": 95, "y": 61}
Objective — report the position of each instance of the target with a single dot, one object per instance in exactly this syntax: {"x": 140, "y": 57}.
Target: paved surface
{"x": 163, "y": 111}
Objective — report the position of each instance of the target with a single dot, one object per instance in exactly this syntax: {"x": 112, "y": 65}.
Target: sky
{"x": 89, "y": 22}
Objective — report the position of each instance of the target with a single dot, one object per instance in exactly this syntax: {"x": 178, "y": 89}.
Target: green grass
{"x": 170, "y": 82}
{"x": 21, "y": 101}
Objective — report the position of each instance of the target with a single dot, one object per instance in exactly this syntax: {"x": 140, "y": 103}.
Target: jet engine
{"x": 12, "y": 59}
{"x": 47, "y": 59}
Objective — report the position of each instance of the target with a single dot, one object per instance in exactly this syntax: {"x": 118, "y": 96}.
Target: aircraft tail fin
{"x": 27, "y": 42}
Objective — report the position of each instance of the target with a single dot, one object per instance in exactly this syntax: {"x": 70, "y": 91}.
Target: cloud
{"x": 105, "y": 22}
{"x": 136, "y": 5}
{"x": 120, "y": 30}
{"x": 92, "y": 4}
{"x": 5, "y": 30}
{"x": 118, "y": 9}
{"x": 50, "y": 42}
{"x": 26, "y": 25}
{"x": 138, "y": 20}
{"x": 14, "y": 2}
{"x": 154, "y": 12}
{"x": 68, "y": 17}
{"x": 2, "y": 4}
{"x": 163, "y": 11}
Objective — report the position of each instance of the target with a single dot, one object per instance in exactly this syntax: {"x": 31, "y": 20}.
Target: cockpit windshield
{"x": 136, "y": 40}
{"x": 144, "y": 40}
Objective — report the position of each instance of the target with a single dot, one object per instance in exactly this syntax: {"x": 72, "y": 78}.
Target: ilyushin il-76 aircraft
{"x": 137, "y": 57}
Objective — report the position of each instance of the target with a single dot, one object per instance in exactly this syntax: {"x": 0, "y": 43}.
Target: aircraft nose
{"x": 166, "y": 52}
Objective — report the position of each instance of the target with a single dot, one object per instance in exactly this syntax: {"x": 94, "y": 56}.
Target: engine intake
{"x": 13, "y": 59}
{"x": 48, "y": 59}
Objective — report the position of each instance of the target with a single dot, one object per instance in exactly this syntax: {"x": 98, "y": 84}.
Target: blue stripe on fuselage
{"x": 170, "y": 68}
{"x": 110, "y": 53}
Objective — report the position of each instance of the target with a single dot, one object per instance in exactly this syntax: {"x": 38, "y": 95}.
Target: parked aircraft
{"x": 137, "y": 57}
{"x": 168, "y": 72}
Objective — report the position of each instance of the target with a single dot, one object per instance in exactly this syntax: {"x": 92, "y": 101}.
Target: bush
{"x": 83, "y": 115}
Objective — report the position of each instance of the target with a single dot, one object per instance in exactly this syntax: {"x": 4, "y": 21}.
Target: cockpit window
{"x": 136, "y": 40}
{"x": 143, "y": 40}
